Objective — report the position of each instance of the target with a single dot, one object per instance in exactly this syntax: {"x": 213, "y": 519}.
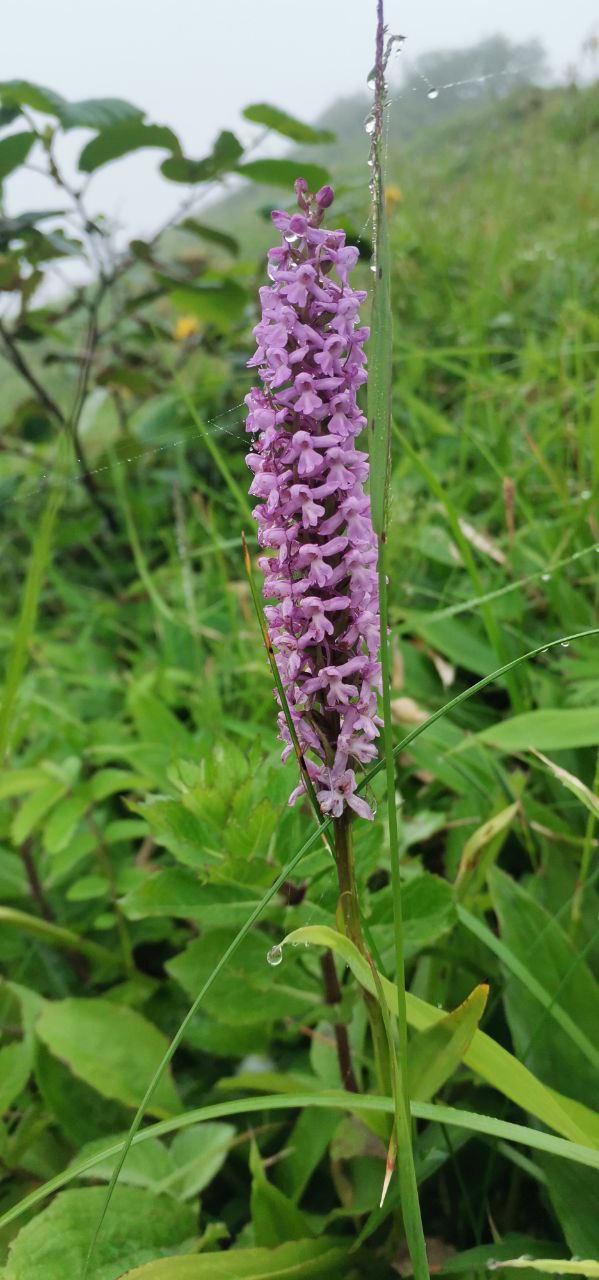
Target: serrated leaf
{"x": 243, "y": 994}
{"x": 109, "y": 1046}
{"x": 289, "y": 126}
{"x": 139, "y": 1226}
{"x": 122, "y": 139}
{"x": 175, "y": 891}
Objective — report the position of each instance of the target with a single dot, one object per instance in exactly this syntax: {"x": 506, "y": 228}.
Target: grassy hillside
{"x": 143, "y": 808}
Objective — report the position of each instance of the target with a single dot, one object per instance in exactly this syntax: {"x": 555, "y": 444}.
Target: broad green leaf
{"x": 212, "y": 234}
{"x": 108, "y": 781}
{"x": 177, "y": 892}
{"x": 110, "y": 1047}
{"x": 182, "y": 1170}
{"x": 176, "y": 828}
{"x": 13, "y": 151}
{"x": 146, "y": 1165}
{"x": 573, "y": 784}
{"x": 545, "y": 730}
{"x": 13, "y": 880}
{"x": 573, "y": 1194}
{"x": 16, "y": 782}
{"x": 288, "y": 126}
{"x": 97, "y": 113}
{"x": 540, "y": 946}
{"x": 436, "y": 1053}
{"x": 78, "y": 1110}
{"x": 243, "y": 993}
{"x": 275, "y": 1218}
{"x": 155, "y": 722}
{"x": 121, "y": 139}
{"x": 63, "y": 821}
{"x": 140, "y": 1225}
{"x": 297, "y": 1260}
{"x": 484, "y": 1056}
{"x": 16, "y": 1061}
{"x": 307, "y": 1145}
{"x": 91, "y": 113}
{"x": 197, "y": 1154}
{"x": 34, "y": 809}
{"x": 283, "y": 173}
{"x": 25, "y": 93}
{"x": 428, "y": 911}
{"x": 218, "y": 302}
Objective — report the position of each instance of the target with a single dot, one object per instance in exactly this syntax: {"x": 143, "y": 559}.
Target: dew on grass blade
{"x": 545, "y": 577}
{"x": 275, "y": 955}
{"x": 370, "y": 123}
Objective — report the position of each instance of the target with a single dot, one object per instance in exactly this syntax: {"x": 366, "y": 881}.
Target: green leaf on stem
{"x": 288, "y": 126}
{"x": 121, "y": 139}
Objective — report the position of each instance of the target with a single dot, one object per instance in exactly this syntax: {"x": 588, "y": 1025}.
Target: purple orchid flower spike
{"x": 313, "y": 514}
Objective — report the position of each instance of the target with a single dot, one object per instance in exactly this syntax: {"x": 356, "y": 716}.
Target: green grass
{"x": 142, "y": 790}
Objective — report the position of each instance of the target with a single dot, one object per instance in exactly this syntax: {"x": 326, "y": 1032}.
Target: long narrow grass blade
{"x": 40, "y": 555}
{"x": 472, "y": 1121}
{"x": 535, "y": 988}
{"x": 216, "y": 454}
{"x": 488, "y": 616}
{"x": 141, "y": 563}
{"x": 280, "y": 880}
{"x": 379, "y": 426}
{"x": 483, "y": 1055}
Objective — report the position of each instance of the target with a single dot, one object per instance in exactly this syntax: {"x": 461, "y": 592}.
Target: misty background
{"x": 197, "y": 67}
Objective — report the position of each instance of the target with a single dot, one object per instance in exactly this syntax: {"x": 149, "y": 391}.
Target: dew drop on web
{"x": 275, "y": 955}
{"x": 432, "y": 94}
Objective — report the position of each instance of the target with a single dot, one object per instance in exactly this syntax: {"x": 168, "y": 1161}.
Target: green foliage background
{"x": 142, "y": 804}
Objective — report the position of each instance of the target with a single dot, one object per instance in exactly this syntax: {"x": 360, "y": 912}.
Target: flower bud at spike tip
{"x": 324, "y": 197}
{"x": 314, "y": 521}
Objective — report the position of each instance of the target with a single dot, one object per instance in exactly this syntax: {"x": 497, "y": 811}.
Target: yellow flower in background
{"x": 393, "y": 198}
{"x": 184, "y": 327}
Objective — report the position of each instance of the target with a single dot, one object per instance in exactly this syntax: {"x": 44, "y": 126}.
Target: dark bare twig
{"x": 333, "y": 996}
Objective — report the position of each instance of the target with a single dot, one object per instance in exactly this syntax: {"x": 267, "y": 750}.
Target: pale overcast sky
{"x": 193, "y": 64}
